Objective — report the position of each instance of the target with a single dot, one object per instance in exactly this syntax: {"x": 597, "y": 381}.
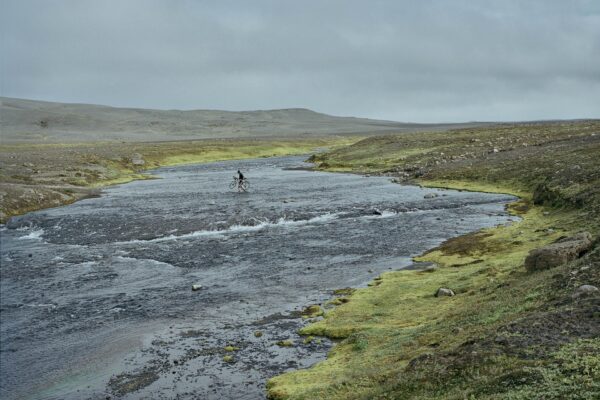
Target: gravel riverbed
{"x": 97, "y": 299}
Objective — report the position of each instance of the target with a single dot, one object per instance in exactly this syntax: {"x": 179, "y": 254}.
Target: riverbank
{"x": 38, "y": 176}
{"x": 507, "y": 332}
{"x": 123, "y": 266}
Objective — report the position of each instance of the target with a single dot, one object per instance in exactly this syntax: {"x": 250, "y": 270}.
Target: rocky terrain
{"x": 503, "y": 313}
{"x": 34, "y": 177}
{"x": 56, "y": 153}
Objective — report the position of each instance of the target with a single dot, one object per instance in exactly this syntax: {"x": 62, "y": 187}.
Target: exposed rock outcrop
{"x": 586, "y": 290}
{"x": 444, "y": 292}
{"x": 558, "y": 253}
{"x": 137, "y": 160}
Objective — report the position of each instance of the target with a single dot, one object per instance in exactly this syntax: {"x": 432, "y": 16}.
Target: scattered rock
{"x": 502, "y": 340}
{"x": 444, "y": 292}
{"x": 136, "y": 159}
{"x": 585, "y": 290}
{"x": 558, "y": 253}
{"x": 196, "y": 287}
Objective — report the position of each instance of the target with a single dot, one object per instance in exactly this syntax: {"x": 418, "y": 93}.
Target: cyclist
{"x": 240, "y": 180}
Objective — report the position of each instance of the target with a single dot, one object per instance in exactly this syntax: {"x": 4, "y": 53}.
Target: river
{"x": 96, "y": 297}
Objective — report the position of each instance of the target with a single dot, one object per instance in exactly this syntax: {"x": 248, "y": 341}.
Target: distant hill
{"x": 31, "y": 121}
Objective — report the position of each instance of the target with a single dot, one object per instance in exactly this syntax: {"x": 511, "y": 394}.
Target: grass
{"x": 507, "y": 334}
{"x": 558, "y": 159}
{"x": 209, "y": 151}
{"x": 39, "y": 176}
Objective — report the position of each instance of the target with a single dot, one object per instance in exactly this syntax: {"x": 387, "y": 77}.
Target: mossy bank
{"x": 37, "y": 176}
{"x": 507, "y": 333}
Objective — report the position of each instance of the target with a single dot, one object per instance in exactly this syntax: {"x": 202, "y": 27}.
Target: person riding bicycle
{"x": 240, "y": 181}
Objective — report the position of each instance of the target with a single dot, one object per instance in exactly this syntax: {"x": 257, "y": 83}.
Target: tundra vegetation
{"x": 37, "y": 176}
{"x": 507, "y": 332}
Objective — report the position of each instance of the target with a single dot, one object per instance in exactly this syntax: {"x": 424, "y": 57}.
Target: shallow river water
{"x": 96, "y": 297}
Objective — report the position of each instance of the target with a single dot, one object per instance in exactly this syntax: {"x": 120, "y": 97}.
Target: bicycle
{"x": 242, "y": 185}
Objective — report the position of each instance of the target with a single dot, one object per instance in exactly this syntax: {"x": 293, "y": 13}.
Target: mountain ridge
{"x": 36, "y": 121}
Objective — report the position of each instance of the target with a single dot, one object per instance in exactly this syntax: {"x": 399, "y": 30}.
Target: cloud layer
{"x": 426, "y": 61}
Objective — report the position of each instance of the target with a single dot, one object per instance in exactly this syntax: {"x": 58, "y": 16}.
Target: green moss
{"x": 338, "y": 301}
{"x": 386, "y": 326}
{"x": 96, "y": 165}
{"x": 285, "y": 343}
{"x": 308, "y": 339}
{"x": 312, "y": 311}
{"x": 344, "y": 291}
{"x": 399, "y": 341}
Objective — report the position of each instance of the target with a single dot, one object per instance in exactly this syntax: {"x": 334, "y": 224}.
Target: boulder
{"x": 431, "y": 268}
{"x": 444, "y": 292}
{"x": 430, "y": 196}
{"x": 586, "y": 290}
{"x": 136, "y": 159}
{"x": 558, "y": 253}
{"x": 196, "y": 287}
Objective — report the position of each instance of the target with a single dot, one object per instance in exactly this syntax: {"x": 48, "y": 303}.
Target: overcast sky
{"x": 421, "y": 61}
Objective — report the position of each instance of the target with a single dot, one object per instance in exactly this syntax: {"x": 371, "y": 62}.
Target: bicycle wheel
{"x": 233, "y": 184}
{"x": 245, "y": 185}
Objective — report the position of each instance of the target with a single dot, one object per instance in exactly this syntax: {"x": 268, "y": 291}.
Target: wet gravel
{"x": 96, "y": 297}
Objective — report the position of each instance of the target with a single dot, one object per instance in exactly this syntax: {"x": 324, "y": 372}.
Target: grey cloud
{"x": 424, "y": 61}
